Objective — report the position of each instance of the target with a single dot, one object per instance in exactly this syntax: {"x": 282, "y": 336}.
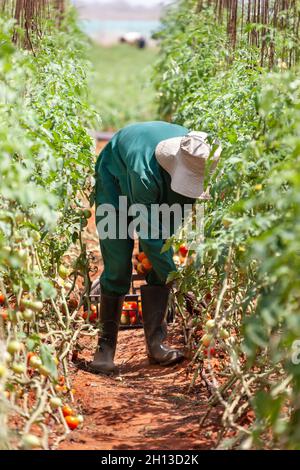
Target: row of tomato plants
{"x": 46, "y": 168}
{"x": 243, "y": 327}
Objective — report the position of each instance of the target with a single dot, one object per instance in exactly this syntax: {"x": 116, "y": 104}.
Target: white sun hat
{"x": 187, "y": 159}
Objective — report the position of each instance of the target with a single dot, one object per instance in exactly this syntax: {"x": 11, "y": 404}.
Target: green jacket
{"x": 127, "y": 166}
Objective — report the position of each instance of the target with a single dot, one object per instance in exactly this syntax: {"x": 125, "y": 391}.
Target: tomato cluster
{"x": 213, "y": 336}
{"x": 131, "y": 313}
{"x": 142, "y": 263}
{"x": 92, "y": 317}
{"x": 181, "y": 255}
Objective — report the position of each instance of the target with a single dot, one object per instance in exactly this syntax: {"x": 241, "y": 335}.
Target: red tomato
{"x": 146, "y": 264}
{"x": 67, "y": 411}
{"x": 183, "y": 250}
{"x": 132, "y": 313}
{"x": 72, "y": 422}
{"x": 209, "y": 352}
{"x": 141, "y": 256}
{"x": 133, "y": 320}
{"x": 2, "y": 299}
{"x": 92, "y": 317}
{"x": 134, "y": 305}
{"x": 30, "y": 355}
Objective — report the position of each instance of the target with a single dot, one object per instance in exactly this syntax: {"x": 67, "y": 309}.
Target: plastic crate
{"x": 134, "y": 296}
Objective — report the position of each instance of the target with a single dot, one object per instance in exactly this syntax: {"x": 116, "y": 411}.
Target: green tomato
{"x": 3, "y": 371}
{"x": 35, "y": 305}
{"x": 18, "y": 368}
{"x": 87, "y": 213}
{"x": 55, "y": 403}
{"x": 28, "y": 315}
{"x": 63, "y": 271}
{"x": 224, "y": 334}
{"x": 14, "y": 346}
{"x": 35, "y": 362}
{"x": 29, "y": 441}
{"x": 207, "y": 340}
{"x": 7, "y": 357}
{"x": 210, "y": 324}
{"x": 44, "y": 371}
{"x": 35, "y": 236}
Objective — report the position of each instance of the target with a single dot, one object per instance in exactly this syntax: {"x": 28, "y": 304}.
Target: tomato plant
{"x": 245, "y": 274}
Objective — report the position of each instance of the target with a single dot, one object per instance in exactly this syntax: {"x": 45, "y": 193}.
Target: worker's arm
{"x": 145, "y": 189}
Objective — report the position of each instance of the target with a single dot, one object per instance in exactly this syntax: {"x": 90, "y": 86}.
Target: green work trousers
{"x": 127, "y": 166}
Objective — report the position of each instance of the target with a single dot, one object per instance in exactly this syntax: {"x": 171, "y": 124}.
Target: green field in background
{"x": 121, "y": 84}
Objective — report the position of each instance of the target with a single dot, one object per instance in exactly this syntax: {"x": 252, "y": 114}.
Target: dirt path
{"x": 145, "y": 407}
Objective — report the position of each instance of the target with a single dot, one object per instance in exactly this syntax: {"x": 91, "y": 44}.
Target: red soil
{"x": 144, "y": 407}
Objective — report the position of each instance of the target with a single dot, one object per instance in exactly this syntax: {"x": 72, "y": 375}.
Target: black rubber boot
{"x": 110, "y": 314}
{"x": 154, "y": 306}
